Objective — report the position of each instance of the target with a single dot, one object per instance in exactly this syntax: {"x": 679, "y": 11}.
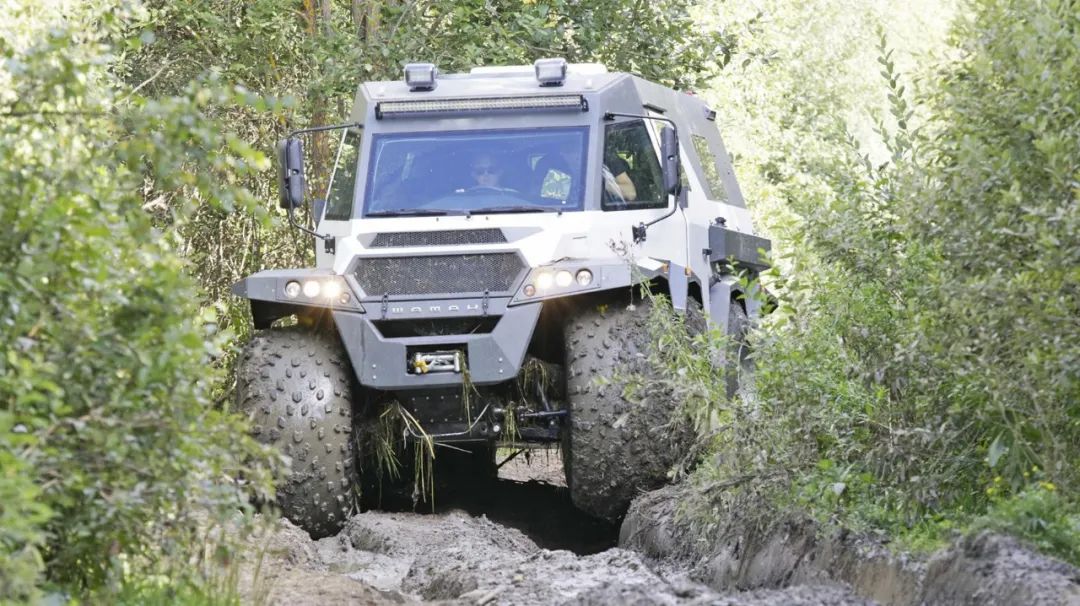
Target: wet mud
{"x": 736, "y": 554}
{"x": 508, "y": 541}
{"x": 517, "y": 540}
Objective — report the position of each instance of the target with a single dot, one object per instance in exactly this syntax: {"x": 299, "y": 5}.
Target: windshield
{"x": 521, "y": 170}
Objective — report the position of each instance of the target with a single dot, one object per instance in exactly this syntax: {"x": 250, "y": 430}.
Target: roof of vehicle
{"x": 508, "y": 80}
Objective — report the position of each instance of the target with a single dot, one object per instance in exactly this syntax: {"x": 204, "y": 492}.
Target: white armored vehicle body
{"x": 479, "y": 231}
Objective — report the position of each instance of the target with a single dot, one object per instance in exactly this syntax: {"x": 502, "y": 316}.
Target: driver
{"x": 486, "y": 172}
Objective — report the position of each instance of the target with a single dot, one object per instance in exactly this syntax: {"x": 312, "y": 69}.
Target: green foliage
{"x": 114, "y": 454}
{"x": 926, "y": 343}
{"x": 1039, "y": 513}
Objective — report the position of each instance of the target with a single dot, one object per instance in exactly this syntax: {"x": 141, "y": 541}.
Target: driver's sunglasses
{"x": 484, "y": 170}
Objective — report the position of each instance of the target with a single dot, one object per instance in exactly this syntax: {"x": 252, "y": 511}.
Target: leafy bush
{"x": 926, "y": 346}
{"x": 114, "y": 455}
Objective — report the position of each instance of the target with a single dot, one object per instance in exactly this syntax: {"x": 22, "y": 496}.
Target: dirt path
{"x": 513, "y": 542}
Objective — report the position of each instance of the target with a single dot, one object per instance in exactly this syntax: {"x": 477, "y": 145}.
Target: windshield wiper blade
{"x": 514, "y": 209}
{"x": 410, "y": 212}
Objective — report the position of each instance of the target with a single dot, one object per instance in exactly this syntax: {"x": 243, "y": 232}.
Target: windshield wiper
{"x": 412, "y": 212}
{"x": 523, "y": 208}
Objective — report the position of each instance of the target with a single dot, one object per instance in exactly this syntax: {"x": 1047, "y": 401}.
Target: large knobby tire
{"x": 738, "y": 365}
{"x": 615, "y": 447}
{"x": 295, "y": 386}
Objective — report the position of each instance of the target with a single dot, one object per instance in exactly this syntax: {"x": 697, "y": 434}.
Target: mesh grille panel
{"x": 438, "y": 238}
{"x": 439, "y": 274}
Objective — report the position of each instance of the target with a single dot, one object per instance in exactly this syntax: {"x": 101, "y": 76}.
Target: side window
{"x": 339, "y": 196}
{"x": 632, "y": 177}
{"x": 708, "y": 164}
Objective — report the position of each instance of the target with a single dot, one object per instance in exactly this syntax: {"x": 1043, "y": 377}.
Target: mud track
{"x": 514, "y": 541}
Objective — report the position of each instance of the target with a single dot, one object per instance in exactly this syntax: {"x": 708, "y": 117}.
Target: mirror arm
{"x": 639, "y": 229}
{"x": 292, "y": 221}
{"x": 319, "y": 129}
{"x": 609, "y": 116}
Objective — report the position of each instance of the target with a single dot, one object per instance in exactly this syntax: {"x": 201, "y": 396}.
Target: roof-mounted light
{"x": 421, "y": 76}
{"x": 437, "y": 108}
{"x": 550, "y": 72}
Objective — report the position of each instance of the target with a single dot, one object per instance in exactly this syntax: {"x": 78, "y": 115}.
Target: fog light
{"x": 292, "y": 289}
{"x": 331, "y": 289}
{"x": 312, "y": 289}
{"x": 545, "y": 280}
{"x": 344, "y": 298}
{"x": 529, "y": 290}
{"x": 563, "y": 279}
{"x": 584, "y": 277}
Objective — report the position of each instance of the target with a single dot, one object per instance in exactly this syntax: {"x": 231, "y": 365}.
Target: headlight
{"x": 323, "y": 290}
{"x": 331, "y": 290}
{"x": 312, "y": 288}
{"x": 554, "y": 281}
{"x": 545, "y": 281}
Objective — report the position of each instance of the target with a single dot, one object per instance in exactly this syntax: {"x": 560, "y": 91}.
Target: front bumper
{"x": 382, "y": 362}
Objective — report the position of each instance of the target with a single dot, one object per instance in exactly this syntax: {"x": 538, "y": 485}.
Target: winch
{"x": 435, "y": 361}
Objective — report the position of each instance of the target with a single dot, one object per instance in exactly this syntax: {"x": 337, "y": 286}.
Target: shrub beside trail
{"x": 116, "y": 460}
{"x": 922, "y": 372}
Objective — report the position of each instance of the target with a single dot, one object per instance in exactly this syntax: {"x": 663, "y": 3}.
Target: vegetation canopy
{"x": 918, "y": 172}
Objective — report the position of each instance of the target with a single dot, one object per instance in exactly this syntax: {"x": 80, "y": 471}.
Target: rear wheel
{"x": 296, "y": 387}
{"x": 738, "y": 364}
{"x": 616, "y": 447}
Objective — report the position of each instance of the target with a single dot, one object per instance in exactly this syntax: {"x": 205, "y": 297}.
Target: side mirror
{"x": 669, "y": 149}
{"x": 290, "y": 165}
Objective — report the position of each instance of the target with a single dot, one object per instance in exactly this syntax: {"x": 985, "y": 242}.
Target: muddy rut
{"x": 516, "y": 540}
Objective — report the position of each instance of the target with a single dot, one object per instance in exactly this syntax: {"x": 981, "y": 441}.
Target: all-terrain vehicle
{"x": 479, "y": 256}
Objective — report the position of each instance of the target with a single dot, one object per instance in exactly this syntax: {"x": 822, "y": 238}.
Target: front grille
{"x": 438, "y": 274}
{"x": 438, "y": 238}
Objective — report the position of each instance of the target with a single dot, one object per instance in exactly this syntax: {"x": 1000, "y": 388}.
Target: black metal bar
{"x": 544, "y": 414}
{"x": 538, "y": 434}
{"x": 319, "y": 129}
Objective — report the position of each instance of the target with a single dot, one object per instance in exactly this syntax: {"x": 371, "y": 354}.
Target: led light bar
{"x": 442, "y": 107}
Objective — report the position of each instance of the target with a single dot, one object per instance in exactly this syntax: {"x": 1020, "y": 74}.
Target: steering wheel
{"x": 489, "y": 189}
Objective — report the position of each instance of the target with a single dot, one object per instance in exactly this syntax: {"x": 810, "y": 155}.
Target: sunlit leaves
{"x": 111, "y": 446}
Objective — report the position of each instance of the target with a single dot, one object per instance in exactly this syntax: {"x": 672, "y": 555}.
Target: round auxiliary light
{"x": 312, "y": 289}
{"x": 292, "y": 289}
{"x": 563, "y": 278}
{"x": 584, "y": 277}
{"x": 331, "y": 290}
{"x": 545, "y": 280}
{"x": 344, "y": 298}
{"x": 529, "y": 290}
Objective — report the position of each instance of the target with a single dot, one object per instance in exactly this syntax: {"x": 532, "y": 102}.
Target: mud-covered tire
{"x": 615, "y": 448}
{"x": 738, "y": 364}
{"x": 295, "y": 386}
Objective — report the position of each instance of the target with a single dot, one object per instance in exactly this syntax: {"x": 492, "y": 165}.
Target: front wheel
{"x": 616, "y": 446}
{"x": 295, "y": 387}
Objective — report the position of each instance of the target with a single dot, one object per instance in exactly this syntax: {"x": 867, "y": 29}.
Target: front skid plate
{"x": 491, "y": 358}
